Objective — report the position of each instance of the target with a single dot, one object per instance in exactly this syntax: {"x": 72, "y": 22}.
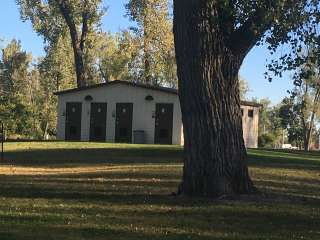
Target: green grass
{"x": 96, "y": 191}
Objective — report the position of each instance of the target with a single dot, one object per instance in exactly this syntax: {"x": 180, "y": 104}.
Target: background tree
{"x": 264, "y": 113}
{"x": 271, "y": 131}
{"x": 48, "y": 102}
{"x": 212, "y": 38}
{"x": 18, "y": 88}
{"x": 116, "y": 58}
{"x": 154, "y": 31}
{"x": 27, "y": 103}
{"x": 290, "y": 121}
{"x": 58, "y": 65}
{"x": 268, "y": 124}
{"x": 56, "y": 71}
{"x": 300, "y": 111}
{"x": 243, "y": 88}
{"x": 70, "y": 30}
{"x": 74, "y": 20}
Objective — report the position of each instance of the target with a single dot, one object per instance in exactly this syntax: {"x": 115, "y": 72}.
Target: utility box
{"x": 139, "y": 137}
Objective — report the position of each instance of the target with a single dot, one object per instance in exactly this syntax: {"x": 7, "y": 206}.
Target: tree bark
{"x": 146, "y": 47}
{"x": 308, "y": 127}
{"x": 45, "y": 131}
{"x": 77, "y": 42}
{"x": 215, "y": 154}
{"x": 147, "y": 66}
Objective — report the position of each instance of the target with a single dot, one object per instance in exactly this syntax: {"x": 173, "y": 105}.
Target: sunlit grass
{"x": 76, "y": 190}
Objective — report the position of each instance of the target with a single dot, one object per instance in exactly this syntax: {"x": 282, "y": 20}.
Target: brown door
{"x": 73, "y": 121}
{"x": 98, "y": 119}
{"x": 163, "y": 124}
{"x": 124, "y": 123}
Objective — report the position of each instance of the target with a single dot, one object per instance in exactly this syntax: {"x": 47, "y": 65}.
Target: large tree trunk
{"x": 307, "y": 134}
{"x": 79, "y": 64}
{"x": 215, "y": 154}
{"x": 146, "y": 48}
{"x": 77, "y": 42}
{"x": 308, "y": 128}
{"x": 45, "y": 131}
{"x": 147, "y": 66}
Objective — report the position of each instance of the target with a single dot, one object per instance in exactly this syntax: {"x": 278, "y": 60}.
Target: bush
{"x": 266, "y": 140}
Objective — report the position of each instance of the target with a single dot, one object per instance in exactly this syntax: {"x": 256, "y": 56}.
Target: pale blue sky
{"x": 252, "y": 70}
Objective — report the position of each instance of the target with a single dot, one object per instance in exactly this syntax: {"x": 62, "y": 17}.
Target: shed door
{"x": 163, "y": 124}
{"x": 124, "y": 122}
{"x": 73, "y": 121}
{"x": 98, "y": 119}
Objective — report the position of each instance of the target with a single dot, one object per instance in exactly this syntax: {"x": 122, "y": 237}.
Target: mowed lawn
{"x": 77, "y": 191}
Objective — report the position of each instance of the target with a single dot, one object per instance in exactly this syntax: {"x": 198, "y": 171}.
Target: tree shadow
{"x": 141, "y": 187}
{"x": 84, "y": 232}
{"x": 275, "y": 159}
{"x": 76, "y": 156}
{"x": 71, "y": 157}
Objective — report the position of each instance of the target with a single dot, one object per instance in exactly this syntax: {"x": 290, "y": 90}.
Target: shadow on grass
{"x": 246, "y": 221}
{"x": 72, "y": 157}
{"x": 135, "y": 188}
{"x": 285, "y": 160}
{"x": 84, "y": 233}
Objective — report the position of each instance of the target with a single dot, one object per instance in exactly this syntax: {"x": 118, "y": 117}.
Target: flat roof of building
{"x": 140, "y": 85}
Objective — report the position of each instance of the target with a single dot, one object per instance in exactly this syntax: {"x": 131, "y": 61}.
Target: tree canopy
{"x": 153, "y": 26}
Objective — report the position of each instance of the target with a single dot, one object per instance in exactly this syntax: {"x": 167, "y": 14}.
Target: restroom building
{"x": 126, "y": 112}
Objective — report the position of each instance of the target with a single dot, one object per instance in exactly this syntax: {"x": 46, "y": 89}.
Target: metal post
{"x": 2, "y": 141}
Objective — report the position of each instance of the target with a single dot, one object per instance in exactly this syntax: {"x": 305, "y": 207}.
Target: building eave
{"x": 132, "y": 84}
{"x": 139, "y": 85}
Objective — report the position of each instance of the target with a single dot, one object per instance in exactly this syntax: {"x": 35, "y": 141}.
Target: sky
{"x": 252, "y": 69}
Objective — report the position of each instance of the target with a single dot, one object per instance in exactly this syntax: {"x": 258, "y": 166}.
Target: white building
{"x": 121, "y": 111}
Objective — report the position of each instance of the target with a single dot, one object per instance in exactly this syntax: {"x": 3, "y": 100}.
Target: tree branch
{"x": 246, "y": 36}
{"x": 85, "y": 27}
{"x": 66, "y": 12}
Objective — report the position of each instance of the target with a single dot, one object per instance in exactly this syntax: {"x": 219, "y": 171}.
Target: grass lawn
{"x": 96, "y": 191}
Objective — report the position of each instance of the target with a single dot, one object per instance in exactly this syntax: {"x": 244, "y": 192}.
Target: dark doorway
{"x": 124, "y": 123}
{"x": 163, "y": 123}
{"x": 73, "y": 121}
{"x": 98, "y": 119}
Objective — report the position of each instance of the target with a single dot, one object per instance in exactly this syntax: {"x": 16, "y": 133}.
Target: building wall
{"x": 250, "y": 126}
{"x": 143, "y": 111}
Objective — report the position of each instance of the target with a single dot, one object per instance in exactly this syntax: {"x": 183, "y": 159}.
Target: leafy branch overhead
{"x": 246, "y": 22}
